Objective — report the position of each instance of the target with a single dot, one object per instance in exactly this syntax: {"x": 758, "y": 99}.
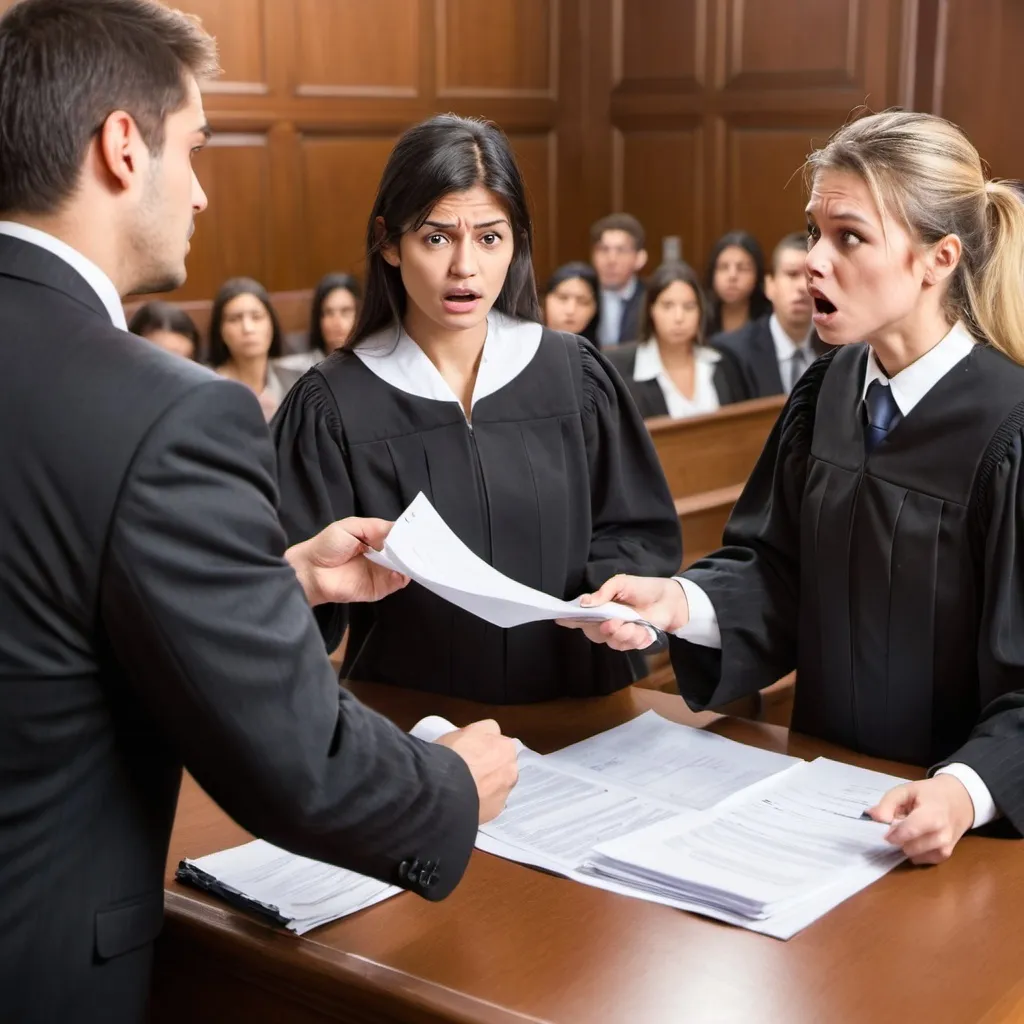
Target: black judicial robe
{"x": 893, "y": 583}
{"x": 556, "y": 484}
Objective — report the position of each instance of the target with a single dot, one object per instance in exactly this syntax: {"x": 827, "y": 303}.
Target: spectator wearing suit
{"x": 735, "y": 282}
{"x": 618, "y": 255}
{"x": 246, "y": 339}
{"x": 332, "y": 316}
{"x": 775, "y": 349}
{"x": 168, "y": 327}
{"x": 673, "y": 373}
{"x": 150, "y": 615}
{"x": 572, "y": 301}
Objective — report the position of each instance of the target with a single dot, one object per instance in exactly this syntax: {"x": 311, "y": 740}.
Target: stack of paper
{"x": 287, "y": 889}
{"x": 680, "y": 816}
{"x": 424, "y": 548}
{"x": 775, "y": 859}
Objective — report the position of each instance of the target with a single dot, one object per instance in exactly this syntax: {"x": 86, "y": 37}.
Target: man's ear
{"x": 387, "y": 249}
{"x": 641, "y": 261}
{"x": 120, "y": 149}
{"x": 769, "y": 287}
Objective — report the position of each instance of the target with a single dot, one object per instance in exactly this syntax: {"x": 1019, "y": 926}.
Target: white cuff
{"x": 702, "y": 627}
{"x": 985, "y": 809}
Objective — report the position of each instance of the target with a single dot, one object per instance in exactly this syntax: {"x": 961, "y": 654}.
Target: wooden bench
{"x": 716, "y": 451}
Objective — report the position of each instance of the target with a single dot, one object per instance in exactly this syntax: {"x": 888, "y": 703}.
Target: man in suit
{"x": 148, "y": 615}
{"x": 618, "y": 255}
{"x": 774, "y": 350}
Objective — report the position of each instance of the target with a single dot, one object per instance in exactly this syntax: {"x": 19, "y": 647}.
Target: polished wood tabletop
{"x": 512, "y": 944}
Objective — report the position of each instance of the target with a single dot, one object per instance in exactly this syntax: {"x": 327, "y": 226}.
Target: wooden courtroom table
{"x": 512, "y": 944}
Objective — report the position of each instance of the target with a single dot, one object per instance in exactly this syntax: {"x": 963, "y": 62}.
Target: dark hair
{"x": 65, "y": 66}
{"x": 585, "y": 272}
{"x": 759, "y": 304}
{"x": 667, "y": 274}
{"x": 619, "y": 222}
{"x": 219, "y": 352}
{"x": 431, "y": 160}
{"x": 329, "y": 283}
{"x": 164, "y": 316}
{"x": 795, "y": 241}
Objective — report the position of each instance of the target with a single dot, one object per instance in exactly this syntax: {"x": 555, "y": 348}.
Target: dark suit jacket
{"x": 148, "y": 620}
{"x": 754, "y": 350}
{"x": 647, "y": 394}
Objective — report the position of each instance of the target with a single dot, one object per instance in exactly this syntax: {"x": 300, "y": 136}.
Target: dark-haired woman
{"x": 522, "y": 438}
{"x": 673, "y": 373}
{"x": 167, "y": 327}
{"x": 245, "y": 335}
{"x": 572, "y": 301}
{"x": 332, "y": 317}
{"x": 735, "y": 282}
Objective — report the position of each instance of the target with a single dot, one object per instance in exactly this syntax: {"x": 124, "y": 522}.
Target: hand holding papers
{"x": 423, "y": 547}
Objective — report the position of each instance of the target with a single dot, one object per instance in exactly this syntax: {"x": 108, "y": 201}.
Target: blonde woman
{"x": 877, "y": 546}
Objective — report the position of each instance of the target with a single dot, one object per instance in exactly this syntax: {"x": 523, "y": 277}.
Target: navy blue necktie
{"x": 881, "y": 414}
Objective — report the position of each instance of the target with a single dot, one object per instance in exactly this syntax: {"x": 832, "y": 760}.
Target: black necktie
{"x": 797, "y": 365}
{"x": 882, "y": 414}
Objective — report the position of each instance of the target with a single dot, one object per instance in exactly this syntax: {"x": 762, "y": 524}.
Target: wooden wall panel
{"x": 339, "y": 181}
{"x": 343, "y": 52}
{"x": 233, "y": 238}
{"x": 537, "y": 159}
{"x": 499, "y": 48}
{"x": 240, "y": 30}
{"x": 661, "y": 183}
{"x": 662, "y": 39}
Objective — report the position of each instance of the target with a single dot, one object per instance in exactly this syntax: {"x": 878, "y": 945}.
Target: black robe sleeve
{"x": 754, "y": 580}
{"x": 635, "y": 525}
{"x": 995, "y": 748}
{"x": 313, "y": 476}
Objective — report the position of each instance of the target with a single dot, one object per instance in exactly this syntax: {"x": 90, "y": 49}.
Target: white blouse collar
{"x": 648, "y": 365}
{"x": 397, "y": 360}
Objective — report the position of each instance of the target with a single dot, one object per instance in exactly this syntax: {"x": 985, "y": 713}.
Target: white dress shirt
{"x": 787, "y": 350}
{"x": 909, "y": 386}
{"x": 396, "y": 359}
{"x": 648, "y": 366}
{"x": 94, "y": 277}
{"x": 613, "y": 304}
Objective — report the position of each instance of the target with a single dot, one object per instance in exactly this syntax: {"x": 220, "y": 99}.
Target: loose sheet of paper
{"x": 305, "y": 891}
{"x": 423, "y": 547}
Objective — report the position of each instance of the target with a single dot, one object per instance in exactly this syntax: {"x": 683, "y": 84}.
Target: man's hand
{"x": 331, "y": 568}
{"x": 928, "y": 818}
{"x": 661, "y": 602}
{"x": 492, "y": 761}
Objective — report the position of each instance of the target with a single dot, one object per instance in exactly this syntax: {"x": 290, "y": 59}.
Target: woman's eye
{"x": 849, "y": 238}
{"x": 436, "y": 239}
{"x": 491, "y": 238}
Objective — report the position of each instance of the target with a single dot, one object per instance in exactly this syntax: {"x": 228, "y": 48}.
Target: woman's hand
{"x": 928, "y": 817}
{"x": 660, "y": 602}
{"x": 331, "y": 568}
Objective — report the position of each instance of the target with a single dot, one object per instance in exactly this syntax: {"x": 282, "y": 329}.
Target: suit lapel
{"x": 765, "y": 362}
{"x": 26, "y": 262}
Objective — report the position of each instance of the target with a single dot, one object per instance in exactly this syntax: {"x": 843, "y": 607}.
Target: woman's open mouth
{"x": 460, "y": 300}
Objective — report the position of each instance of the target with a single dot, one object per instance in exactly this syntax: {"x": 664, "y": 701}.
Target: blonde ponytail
{"x": 925, "y": 172}
{"x": 995, "y": 293}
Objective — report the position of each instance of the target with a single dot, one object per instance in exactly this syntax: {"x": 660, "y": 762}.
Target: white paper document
{"x": 423, "y": 547}
{"x": 298, "y": 892}
{"x": 773, "y": 859}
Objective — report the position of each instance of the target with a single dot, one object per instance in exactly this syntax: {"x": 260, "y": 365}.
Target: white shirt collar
{"x": 94, "y": 277}
{"x": 785, "y": 346}
{"x": 626, "y": 292}
{"x": 911, "y": 384}
{"x": 647, "y": 365}
{"x": 396, "y": 359}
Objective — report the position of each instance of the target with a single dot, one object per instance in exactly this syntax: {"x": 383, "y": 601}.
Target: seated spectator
{"x": 673, "y": 373}
{"x": 735, "y": 282}
{"x": 168, "y": 327}
{"x": 572, "y": 301}
{"x": 774, "y": 350}
{"x": 332, "y": 316}
{"x": 245, "y": 336}
{"x": 618, "y": 255}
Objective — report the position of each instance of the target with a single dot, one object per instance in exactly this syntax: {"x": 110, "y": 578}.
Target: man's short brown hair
{"x": 619, "y": 222}
{"x": 66, "y": 65}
